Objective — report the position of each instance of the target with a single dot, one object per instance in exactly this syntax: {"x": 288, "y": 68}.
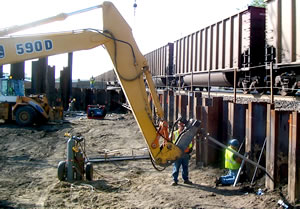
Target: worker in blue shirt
{"x": 182, "y": 162}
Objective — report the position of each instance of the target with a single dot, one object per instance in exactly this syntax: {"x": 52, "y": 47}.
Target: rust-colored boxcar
{"x": 236, "y": 42}
{"x": 283, "y": 31}
{"x": 161, "y": 65}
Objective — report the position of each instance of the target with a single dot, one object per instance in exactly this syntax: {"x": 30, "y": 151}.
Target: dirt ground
{"x": 29, "y": 159}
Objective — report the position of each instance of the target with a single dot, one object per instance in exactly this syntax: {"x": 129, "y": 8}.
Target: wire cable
{"x": 111, "y": 36}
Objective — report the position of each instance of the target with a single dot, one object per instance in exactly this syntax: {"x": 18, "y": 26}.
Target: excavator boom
{"x": 130, "y": 67}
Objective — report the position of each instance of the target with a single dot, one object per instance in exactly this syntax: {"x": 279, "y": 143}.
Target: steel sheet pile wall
{"x": 221, "y": 47}
{"x": 161, "y": 64}
{"x": 283, "y": 31}
{"x": 270, "y": 137}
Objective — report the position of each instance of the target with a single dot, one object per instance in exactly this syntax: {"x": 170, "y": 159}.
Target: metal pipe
{"x": 262, "y": 149}
{"x": 240, "y": 169}
{"x": 70, "y": 159}
{"x": 59, "y": 17}
{"x": 105, "y": 159}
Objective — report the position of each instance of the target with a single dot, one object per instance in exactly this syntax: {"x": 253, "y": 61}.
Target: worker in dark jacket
{"x": 232, "y": 163}
{"x": 182, "y": 162}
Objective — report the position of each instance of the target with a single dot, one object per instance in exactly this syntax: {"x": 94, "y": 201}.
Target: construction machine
{"x": 130, "y": 66}
{"x": 25, "y": 110}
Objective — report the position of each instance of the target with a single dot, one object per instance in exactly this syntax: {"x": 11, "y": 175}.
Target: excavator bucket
{"x": 188, "y": 134}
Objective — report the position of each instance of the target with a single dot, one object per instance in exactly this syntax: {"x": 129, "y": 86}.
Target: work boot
{"x": 174, "y": 183}
{"x": 217, "y": 181}
{"x": 188, "y": 182}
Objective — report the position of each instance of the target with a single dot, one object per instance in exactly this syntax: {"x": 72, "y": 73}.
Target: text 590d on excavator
{"x": 130, "y": 66}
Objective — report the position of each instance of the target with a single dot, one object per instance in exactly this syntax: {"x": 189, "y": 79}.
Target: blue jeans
{"x": 229, "y": 178}
{"x": 184, "y": 162}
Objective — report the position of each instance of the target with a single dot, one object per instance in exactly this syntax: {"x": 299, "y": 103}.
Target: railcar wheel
{"x": 61, "y": 171}
{"x": 89, "y": 171}
{"x": 245, "y": 86}
{"x": 246, "y": 91}
{"x": 283, "y": 92}
{"x": 286, "y": 92}
{"x": 261, "y": 90}
{"x": 25, "y": 115}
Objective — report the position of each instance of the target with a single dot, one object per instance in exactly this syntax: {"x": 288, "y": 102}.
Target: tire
{"x": 89, "y": 171}
{"x": 61, "y": 171}
{"x": 25, "y": 115}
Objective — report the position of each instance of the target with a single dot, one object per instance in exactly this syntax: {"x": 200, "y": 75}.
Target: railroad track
{"x": 256, "y": 97}
{"x": 281, "y": 103}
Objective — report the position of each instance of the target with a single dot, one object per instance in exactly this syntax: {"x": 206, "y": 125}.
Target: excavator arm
{"x": 130, "y": 66}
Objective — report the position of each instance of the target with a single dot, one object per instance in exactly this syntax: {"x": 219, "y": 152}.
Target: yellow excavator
{"x": 130, "y": 66}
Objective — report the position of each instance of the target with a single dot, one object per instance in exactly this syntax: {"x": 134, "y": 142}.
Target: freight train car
{"x": 209, "y": 56}
{"x": 258, "y": 44}
{"x": 283, "y": 44}
{"x": 161, "y": 65}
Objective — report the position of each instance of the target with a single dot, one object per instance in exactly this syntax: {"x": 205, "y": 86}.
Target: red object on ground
{"x": 96, "y": 111}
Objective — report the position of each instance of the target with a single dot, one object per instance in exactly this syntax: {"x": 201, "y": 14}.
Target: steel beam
{"x": 170, "y": 113}
{"x": 197, "y": 115}
{"x": 191, "y": 96}
{"x": 236, "y": 121}
{"x": 165, "y": 104}
{"x": 211, "y": 117}
{"x": 182, "y": 106}
{"x": 17, "y": 71}
{"x": 50, "y": 85}
{"x": 255, "y": 131}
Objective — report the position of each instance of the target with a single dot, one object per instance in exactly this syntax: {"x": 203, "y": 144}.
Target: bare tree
{"x": 258, "y": 3}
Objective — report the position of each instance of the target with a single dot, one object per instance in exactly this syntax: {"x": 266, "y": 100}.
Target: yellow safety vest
{"x": 230, "y": 163}
{"x": 176, "y": 135}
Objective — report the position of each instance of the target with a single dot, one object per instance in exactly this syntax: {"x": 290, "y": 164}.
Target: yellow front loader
{"x": 25, "y": 110}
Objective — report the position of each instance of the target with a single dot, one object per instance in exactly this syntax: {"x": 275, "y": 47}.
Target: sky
{"x": 154, "y": 23}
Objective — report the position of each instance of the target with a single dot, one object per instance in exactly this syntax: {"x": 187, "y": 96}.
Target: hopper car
{"x": 259, "y": 44}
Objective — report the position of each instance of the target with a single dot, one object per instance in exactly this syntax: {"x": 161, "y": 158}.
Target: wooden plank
{"x": 248, "y": 142}
{"x": 271, "y": 148}
{"x": 294, "y": 158}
